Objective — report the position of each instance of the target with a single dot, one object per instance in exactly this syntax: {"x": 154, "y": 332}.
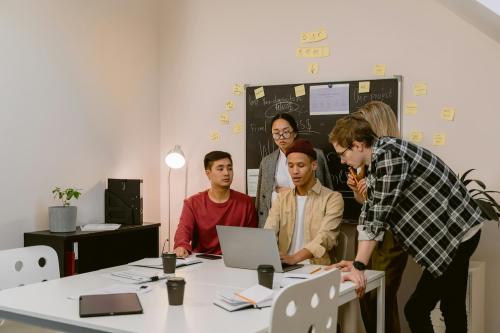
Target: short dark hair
{"x": 213, "y": 156}
{"x": 287, "y": 117}
{"x": 352, "y": 128}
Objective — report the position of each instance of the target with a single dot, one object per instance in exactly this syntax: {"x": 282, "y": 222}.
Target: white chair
{"x": 308, "y": 306}
{"x": 27, "y": 265}
{"x": 23, "y": 266}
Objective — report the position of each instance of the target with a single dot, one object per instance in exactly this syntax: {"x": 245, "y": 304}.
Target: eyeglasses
{"x": 340, "y": 155}
{"x": 284, "y": 135}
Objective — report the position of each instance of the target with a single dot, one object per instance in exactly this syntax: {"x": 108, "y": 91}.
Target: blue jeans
{"x": 450, "y": 288}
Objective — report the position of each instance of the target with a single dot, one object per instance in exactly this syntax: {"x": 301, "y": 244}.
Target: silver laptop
{"x": 250, "y": 247}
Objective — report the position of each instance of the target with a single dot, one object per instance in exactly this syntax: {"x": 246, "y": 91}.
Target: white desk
{"x": 47, "y": 304}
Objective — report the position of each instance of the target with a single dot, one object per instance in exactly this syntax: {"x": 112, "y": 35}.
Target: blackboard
{"x": 282, "y": 99}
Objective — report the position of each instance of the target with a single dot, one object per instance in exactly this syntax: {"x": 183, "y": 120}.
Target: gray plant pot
{"x": 62, "y": 219}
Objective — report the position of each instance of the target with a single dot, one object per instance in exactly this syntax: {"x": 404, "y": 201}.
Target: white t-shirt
{"x": 297, "y": 243}
{"x": 282, "y": 177}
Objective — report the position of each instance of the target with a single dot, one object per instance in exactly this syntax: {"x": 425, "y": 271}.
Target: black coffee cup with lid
{"x": 265, "y": 274}
{"x": 175, "y": 290}
{"x": 168, "y": 260}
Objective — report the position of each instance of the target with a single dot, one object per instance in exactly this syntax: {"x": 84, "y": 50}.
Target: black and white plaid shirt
{"x": 415, "y": 194}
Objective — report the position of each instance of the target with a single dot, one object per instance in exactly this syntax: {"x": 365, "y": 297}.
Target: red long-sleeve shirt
{"x": 196, "y": 231}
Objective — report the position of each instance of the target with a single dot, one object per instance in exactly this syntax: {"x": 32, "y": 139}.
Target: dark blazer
{"x": 265, "y": 185}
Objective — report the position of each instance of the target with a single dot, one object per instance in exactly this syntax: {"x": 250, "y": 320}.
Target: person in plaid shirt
{"x": 415, "y": 195}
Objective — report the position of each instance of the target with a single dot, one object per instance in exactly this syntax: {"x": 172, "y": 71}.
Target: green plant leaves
{"x": 65, "y": 195}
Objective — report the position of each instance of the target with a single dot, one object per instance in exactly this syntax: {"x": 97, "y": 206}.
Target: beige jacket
{"x": 322, "y": 217}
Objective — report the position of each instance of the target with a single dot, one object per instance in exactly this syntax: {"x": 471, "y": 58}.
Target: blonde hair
{"x": 381, "y": 118}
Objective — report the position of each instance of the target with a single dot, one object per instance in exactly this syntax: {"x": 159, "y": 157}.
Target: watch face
{"x": 359, "y": 265}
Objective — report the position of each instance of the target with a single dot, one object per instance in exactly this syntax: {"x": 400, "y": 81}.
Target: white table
{"x": 47, "y": 304}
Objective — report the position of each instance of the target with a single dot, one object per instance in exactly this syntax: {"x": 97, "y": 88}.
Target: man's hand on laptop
{"x": 295, "y": 258}
{"x": 181, "y": 252}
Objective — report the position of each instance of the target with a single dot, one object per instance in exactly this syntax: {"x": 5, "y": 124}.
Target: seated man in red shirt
{"x": 219, "y": 205}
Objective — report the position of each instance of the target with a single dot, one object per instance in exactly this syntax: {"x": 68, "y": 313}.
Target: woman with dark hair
{"x": 273, "y": 170}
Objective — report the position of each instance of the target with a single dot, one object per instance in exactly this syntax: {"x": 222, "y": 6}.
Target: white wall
{"x": 207, "y": 46}
{"x": 79, "y": 103}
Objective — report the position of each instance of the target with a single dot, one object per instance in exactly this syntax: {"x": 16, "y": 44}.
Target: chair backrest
{"x": 27, "y": 265}
{"x": 339, "y": 252}
{"x": 308, "y": 306}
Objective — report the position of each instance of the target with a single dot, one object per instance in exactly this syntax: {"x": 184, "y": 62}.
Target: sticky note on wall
{"x": 439, "y": 139}
{"x": 420, "y": 89}
{"x": 238, "y": 89}
{"x": 300, "y": 90}
{"x": 214, "y": 136}
{"x": 224, "y": 118}
{"x": 259, "y": 93}
{"x": 313, "y": 52}
{"x": 411, "y": 108}
{"x": 313, "y": 68}
{"x": 379, "y": 69}
{"x": 237, "y": 128}
{"x": 313, "y": 36}
{"x": 364, "y": 87}
{"x": 229, "y": 105}
{"x": 448, "y": 113}
{"x": 416, "y": 136}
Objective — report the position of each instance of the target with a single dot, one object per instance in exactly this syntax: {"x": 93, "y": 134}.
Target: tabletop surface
{"x": 50, "y": 301}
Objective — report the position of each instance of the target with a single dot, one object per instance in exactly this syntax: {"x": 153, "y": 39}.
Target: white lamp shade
{"x": 175, "y": 158}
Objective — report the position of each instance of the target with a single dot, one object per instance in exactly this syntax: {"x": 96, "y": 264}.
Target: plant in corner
{"x": 489, "y": 206}
{"x": 63, "y": 218}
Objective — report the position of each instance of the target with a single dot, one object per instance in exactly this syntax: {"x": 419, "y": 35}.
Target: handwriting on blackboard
{"x": 383, "y": 95}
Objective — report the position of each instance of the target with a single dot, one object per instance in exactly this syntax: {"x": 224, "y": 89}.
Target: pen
{"x": 315, "y": 270}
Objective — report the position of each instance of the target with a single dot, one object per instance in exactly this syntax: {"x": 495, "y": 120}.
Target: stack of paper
{"x": 100, "y": 227}
{"x": 134, "y": 276}
{"x": 157, "y": 262}
{"x": 253, "y": 297}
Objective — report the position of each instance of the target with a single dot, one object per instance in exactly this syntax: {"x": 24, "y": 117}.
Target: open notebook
{"x": 256, "y": 296}
{"x": 157, "y": 263}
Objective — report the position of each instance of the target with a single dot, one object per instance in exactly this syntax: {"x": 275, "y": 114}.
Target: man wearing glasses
{"x": 417, "y": 196}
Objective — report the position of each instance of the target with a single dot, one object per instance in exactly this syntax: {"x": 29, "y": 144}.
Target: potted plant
{"x": 63, "y": 218}
{"x": 489, "y": 206}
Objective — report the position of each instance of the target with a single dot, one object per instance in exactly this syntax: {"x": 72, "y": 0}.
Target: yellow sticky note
{"x": 416, "y": 136}
{"x": 229, "y": 105}
{"x": 214, "y": 136}
{"x": 237, "y": 128}
{"x": 364, "y": 87}
{"x": 259, "y": 93}
{"x": 325, "y": 51}
{"x": 448, "y": 113}
{"x": 300, "y": 90}
{"x": 411, "y": 108}
{"x": 313, "y": 36}
{"x": 379, "y": 69}
{"x": 313, "y": 68}
{"x": 313, "y": 52}
{"x": 438, "y": 139}
{"x": 224, "y": 118}
{"x": 420, "y": 88}
{"x": 238, "y": 89}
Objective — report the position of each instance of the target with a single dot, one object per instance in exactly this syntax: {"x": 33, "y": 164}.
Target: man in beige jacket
{"x": 306, "y": 219}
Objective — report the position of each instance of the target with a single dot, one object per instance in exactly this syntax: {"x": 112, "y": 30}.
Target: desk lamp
{"x": 174, "y": 160}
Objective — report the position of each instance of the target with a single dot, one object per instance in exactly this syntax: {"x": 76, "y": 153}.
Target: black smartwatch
{"x": 359, "y": 265}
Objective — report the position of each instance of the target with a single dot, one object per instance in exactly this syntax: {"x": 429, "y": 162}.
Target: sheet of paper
{"x": 237, "y": 128}
{"x": 214, "y": 136}
{"x": 411, "y": 108}
{"x": 252, "y": 180}
{"x": 259, "y": 93}
{"x": 416, "y": 136}
{"x": 100, "y": 226}
{"x": 224, "y": 118}
{"x": 313, "y": 36}
{"x": 300, "y": 90}
{"x": 439, "y": 139}
{"x": 229, "y": 105}
{"x": 329, "y": 99}
{"x": 379, "y": 69}
{"x": 448, "y": 113}
{"x": 313, "y": 68}
{"x": 238, "y": 89}
{"x": 420, "y": 89}
{"x": 364, "y": 87}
